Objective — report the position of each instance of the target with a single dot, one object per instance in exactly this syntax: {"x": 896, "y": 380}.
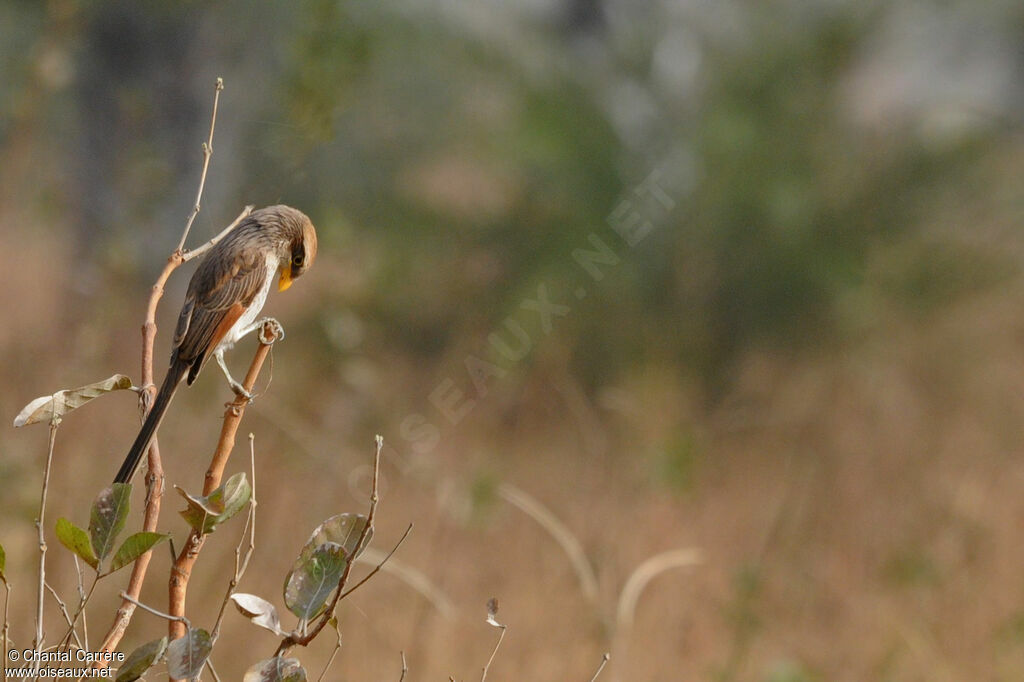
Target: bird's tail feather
{"x": 152, "y": 422}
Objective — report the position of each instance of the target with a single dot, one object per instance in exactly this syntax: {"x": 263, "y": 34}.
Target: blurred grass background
{"x": 809, "y": 368}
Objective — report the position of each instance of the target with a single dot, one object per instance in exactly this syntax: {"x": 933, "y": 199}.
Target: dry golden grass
{"x": 858, "y": 510}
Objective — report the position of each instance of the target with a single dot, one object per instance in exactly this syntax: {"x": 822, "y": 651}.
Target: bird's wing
{"x": 220, "y": 291}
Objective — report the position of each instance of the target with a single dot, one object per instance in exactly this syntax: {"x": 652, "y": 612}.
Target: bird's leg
{"x": 258, "y": 324}
{"x": 264, "y": 339}
{"x": 235, "y": 386}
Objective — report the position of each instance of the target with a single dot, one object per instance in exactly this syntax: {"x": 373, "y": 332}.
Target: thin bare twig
{"x": 604, "y": 661}
{"x": 379, "y": 442}
{"x": 213, "y": 671}
{"x": 490, "y": 660}
{"x": 38, "y": 642}
{"x": 155, "y": 612}
{"x": 251, "y": 519}
{"x": 241, "y": 564}
{"x": 379, "y": 565}
{"x": 405, "y": 668}
{"x": 199, "y": 251}
{"x": 64, "y": 610}
{"x": 7, "y": 625}
{"x": 207, "y": 153}
{"x": 330, "y": 661}
{"x": 82, "y": 598}
{"x": 80, "y": 611}
{"x": 414, "y": 578}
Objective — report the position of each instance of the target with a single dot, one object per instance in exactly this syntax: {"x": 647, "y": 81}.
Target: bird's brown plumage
{"x": 227, "y": 289}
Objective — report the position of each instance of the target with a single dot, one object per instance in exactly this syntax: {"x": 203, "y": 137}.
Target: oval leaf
{"x": 342, "y": 529}
{"x": 109, "y": 513}
{"x": 313, "y": 578}
{"x": 204, "y": 514}
{"x": 231, "y": 496}
{"x": 47, "y": 408}
{"x": 77, "y": 540}
{"x": 141, "y": 660}
{"x": 259, "y": 611}
{"x": 196, "y": 513}
{"x": 187, "y": 655}
{"x": 276, "y": 669}
{"x": 133, "y": 547}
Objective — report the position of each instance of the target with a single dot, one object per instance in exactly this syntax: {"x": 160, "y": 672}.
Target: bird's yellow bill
{"x": 285, "y": 280}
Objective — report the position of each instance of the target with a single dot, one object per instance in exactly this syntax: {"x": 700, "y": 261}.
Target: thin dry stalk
{"x": 83, "y": 600}
{"x": 155, "y": 612}
{"x": 561, "y": 534}
{"x": 490, "y": 660}
{"x": 249, "y": 529}
{"x": 330, "y": 661}
{"x": 604, "y": 661}
{"x": 181, "y": 571}
{"x": 380, "y": 564}
{"x": 7, "y": 625}
{"x": 405, "y": 668}
{"x": 64, "y": 612}
{"x": 412, "y": 577}
{"x": 644, "y": 573}
{"x": 38, "y": 642}
{"x": 199, "y": 251}
{"x": 207, "y": 153}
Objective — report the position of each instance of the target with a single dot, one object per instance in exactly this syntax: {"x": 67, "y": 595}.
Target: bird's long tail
{"x": 149, "y": 426}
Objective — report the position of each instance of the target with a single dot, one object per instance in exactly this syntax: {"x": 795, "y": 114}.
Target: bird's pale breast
{"x": 249, "y": 316}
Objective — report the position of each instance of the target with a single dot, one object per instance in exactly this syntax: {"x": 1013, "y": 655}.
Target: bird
{"x": 224, "y": 297}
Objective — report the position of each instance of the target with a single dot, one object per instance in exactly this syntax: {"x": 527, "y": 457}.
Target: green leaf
{"x": 204, "y": 514}
{"x": 133, "y": 547}
{"x": 342, "y": 529}
{"x": 187, "y": 655}
{"x": 77, "y": 540}
{"x": 313, "y": 578}
{"x": 276, "y": 669}
{"x": 231, "y": 496}
{"x": 141, "y": 660}
{"x": 48, "y": 408}
{"x": 109, "y": 513}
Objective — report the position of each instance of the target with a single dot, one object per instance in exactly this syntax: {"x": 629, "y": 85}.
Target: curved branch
{"x": 181, "y": 571}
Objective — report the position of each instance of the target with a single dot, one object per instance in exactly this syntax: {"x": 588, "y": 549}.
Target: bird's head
{"x": 301, "y": 244}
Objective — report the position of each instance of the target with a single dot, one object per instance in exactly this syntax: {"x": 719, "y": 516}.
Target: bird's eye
{"x": 297, "y": 259}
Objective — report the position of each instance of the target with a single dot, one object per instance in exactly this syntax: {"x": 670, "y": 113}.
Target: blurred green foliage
{"x": 789, "y": 671}
{"x": 678, "y": 460}
{"x": 743, "y": 619}
{"x": 911, "y": 567}
{"x": 483, "y": 496}
{"x": 455, "y": 156}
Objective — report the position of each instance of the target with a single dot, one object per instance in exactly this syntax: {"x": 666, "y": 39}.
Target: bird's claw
{"x": 240, "y": 391}
{"x": 276, "y": 329}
